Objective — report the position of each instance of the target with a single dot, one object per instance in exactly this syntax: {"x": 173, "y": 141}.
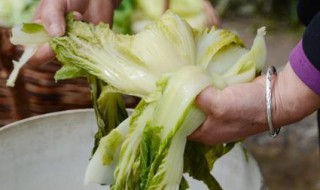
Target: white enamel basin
{"x": 51, "y": 152}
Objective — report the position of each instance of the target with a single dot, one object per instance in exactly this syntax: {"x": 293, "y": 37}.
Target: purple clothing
{"x": 304, "y": 69}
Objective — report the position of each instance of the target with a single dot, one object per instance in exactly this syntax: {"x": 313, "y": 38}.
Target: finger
{"x": 37, "y": 14}
{"x": 211, "y": 14}
{"x": 52, "y": 16}
{"x": 205, "y": 100}
{"x": 195, "y": 135}
{"x": 199, "y": 135}
{"x": 51, "y": 13}
{"x": 43, "y": 55}
{"x": 204, "y": 136}
{"x": 105, "y": 9}
{"x": 77, "y": 15}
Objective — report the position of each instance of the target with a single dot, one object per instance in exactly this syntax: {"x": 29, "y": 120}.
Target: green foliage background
{"x": 283, "y": 11}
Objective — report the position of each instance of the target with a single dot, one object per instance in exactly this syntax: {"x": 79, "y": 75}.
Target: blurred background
{"x": 290, "y": 161}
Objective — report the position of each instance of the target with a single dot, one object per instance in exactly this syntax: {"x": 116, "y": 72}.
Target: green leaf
{"x": 109, "y": 109}
{"x": 69, "y": 71}
{"x": 183, "y": 184}
{"x": 127, "y": 173}
{"x": 112, "y": 108}
{"x": 149, "y": 147}
{"x": 32, "y": 28}
{"x": 102, "y": 164}
{"x": 196, "y": 164}
{"x": 122, "y": 18}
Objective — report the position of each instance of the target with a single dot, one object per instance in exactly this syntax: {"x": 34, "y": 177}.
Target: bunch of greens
{"x": 167, "y": 65}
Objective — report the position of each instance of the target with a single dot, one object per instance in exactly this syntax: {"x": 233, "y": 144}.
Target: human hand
{"x": 212, "y": 15}
{"x": 232, "y": 114}
{"x": 238, "y": 111}
{"x": 51, "y": 14}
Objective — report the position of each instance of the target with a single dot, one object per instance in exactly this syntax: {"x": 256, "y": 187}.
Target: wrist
{"x": 246, "y": 102}
{"x": 293, "y": 100}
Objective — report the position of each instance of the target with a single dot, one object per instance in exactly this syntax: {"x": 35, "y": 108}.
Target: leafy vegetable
{"x": 129, "y": 64}
{"x": 102, "y": 164}
{"x": 146, "y": 151}
{"x": 181, "y": 90}
{"x": 167, "y": 64}
{"x": 110, "y": 112}
{"x": 108, "y": 106}
{"x": 133, "y": 15}
{"x": 31, "y": 35}
{"x": 147, "y": 11}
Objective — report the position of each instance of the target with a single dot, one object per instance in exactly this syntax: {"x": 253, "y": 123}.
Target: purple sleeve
{"x": 304, "y": 69}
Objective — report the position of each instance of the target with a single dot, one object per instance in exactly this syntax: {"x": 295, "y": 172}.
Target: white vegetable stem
{"x": 180, "y": 94}
{"x": 32, "y": 39}
{"x": 17, "y": 65}
{"x": 101, "y": 166}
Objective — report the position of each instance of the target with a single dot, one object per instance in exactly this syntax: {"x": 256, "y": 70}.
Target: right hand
{"x": 51, "y": 14}
{"x": 238, "y": 111}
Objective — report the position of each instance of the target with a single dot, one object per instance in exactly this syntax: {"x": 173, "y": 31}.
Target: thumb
{"x": 51, "y": 15}
{"x": 206, "y": 99}
{"x": 105, "y": 8}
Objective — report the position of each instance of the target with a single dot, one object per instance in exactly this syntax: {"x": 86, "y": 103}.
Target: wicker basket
{"x": 13, "y": 101}
{"x": 6, "y": 101}
{"x": 35, "y": 92}
{"x": 46, "y": 95}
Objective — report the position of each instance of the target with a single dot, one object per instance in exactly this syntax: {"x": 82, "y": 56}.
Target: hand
{"x": 238, "y": 111}
{"x": 232, "y": 114}
{"x": 212, "y": 15}
{"x": 51, "y": 14}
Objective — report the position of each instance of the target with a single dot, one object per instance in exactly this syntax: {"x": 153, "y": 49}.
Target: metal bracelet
{"x": 270, "y": 72}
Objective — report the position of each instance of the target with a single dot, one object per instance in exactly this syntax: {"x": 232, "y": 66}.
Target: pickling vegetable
{"x": 167, "y": 65}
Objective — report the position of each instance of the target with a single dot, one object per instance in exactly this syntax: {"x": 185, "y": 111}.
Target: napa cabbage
{"x": 166, "y": 65}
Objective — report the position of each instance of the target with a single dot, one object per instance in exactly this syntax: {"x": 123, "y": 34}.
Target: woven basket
{"x": 13, "y": 101}
{"x": 7, "y": 112}
{"x": 35, "y": 91}
{"x": 46, "y": 95}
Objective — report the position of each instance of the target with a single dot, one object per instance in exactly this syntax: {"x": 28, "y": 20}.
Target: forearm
{"x": 239, "y": 111}
{"x": 292, "y": 99}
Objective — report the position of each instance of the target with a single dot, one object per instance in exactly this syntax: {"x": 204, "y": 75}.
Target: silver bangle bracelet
{"x": 270, "y": 72}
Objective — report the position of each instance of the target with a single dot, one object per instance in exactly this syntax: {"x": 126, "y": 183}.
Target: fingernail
{"x": 55, "y": 30}
{"x": 37, "y": 21}
{"x": 77, "y": 15}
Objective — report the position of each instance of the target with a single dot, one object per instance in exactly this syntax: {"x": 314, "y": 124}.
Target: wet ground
{"x": 292, "y": 160}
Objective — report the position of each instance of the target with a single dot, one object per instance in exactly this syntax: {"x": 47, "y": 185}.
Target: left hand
{"x": 51, "y": 14}
{"x": 213, "y": 18}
